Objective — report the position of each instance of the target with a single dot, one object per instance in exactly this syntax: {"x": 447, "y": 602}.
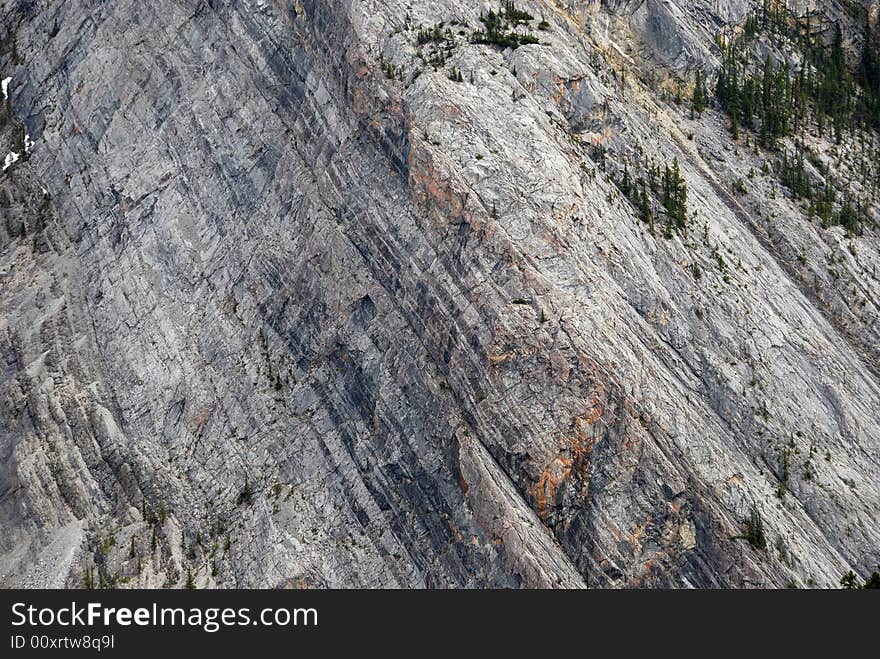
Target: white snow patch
{"x": 28, "y": 143}
{"x": 5, "y": 85}
{"x": 11, "y": 157}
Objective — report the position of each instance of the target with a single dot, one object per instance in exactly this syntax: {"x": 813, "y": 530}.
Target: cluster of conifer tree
{"x": 668, "y": 186}
{"x": 766, "y": 101}
{"x": 500, "y": 28}
{"x": 822, "y": 199}
{"x": 674, "y": 198}
{"x": 869, "y": 72}
{"x": 825, "y": 89}
{"x": 777, "y": 102}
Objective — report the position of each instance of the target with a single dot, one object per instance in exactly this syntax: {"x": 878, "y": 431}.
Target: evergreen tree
{"x": 674, "y": 198}
{"x": 645, "y": 207}
{"x": 838, "y": 58}
{"x": 849, "y": 581}
{"x": 626, "y": 182}
{"x": 869, "y": 72}
{"x": 754, "y": 532}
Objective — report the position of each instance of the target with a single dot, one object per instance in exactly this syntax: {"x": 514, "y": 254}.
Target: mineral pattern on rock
{"x": 349, "y": 293}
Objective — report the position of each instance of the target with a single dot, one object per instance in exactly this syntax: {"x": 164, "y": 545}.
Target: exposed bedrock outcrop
{"x": 278, "y": 310}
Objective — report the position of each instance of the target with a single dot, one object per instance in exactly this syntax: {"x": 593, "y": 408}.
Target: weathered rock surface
{"x": 283, "y": 305}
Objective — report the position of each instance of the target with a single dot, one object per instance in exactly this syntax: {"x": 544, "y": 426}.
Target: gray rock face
{"x": 284, "y": 305}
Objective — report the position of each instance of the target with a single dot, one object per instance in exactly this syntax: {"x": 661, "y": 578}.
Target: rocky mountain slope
{"x": 356, "y": 293}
